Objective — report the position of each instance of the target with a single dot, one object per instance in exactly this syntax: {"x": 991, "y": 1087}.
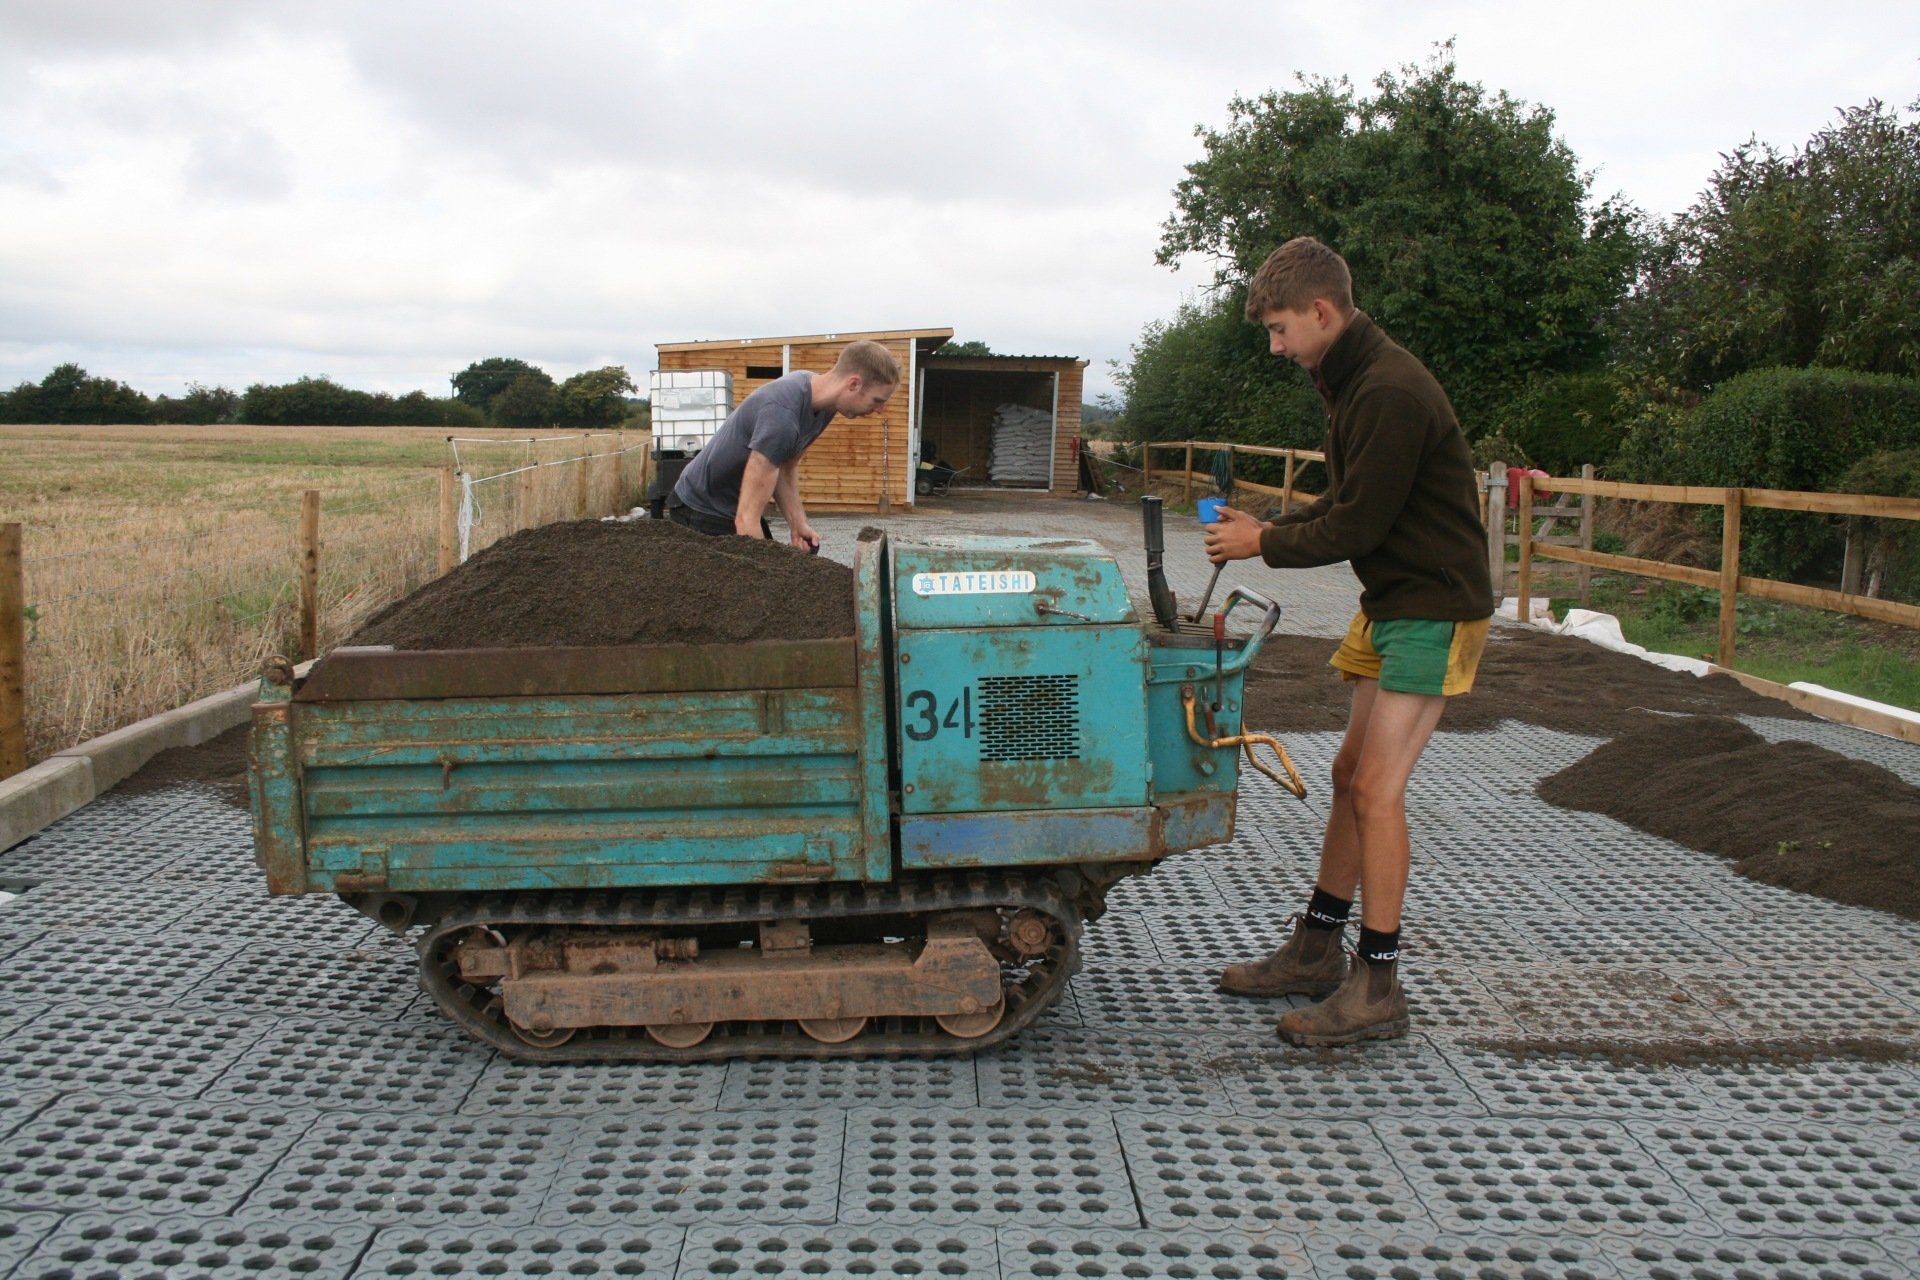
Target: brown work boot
{"x": 1310, "y": 962}
{"x": 1370, "y": 1005}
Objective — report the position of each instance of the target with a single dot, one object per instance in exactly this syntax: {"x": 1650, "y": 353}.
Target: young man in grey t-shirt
{"x": 756, "y": 453}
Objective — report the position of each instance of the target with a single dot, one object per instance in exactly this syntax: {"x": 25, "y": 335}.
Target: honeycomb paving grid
{"x": 1537, "y": 1177}
{"x": 471, "y": 1253}
{"x": 1799, "y": 1177}
{"x": 173, "y": 1053}
{"x": 508, "y": 1087}
{"x": 1368, "y": 1255}
{"x": 418, "y": 1066}
{"x": 1273, "y": 1079}
{"x": 1109, "y": 1253}
{"x": 143, "y": 1155}
{"x": 381, "y": 1169}
{"x": 1085, "y": 1069}
{"x": 1176, "y": 1136}
{"x": 985, "y": 1166}
{"x": 803, "y": 1252}
{"x": 1730, "y": 1258}
{"x": 1281, "y": 1174}
{"x": 734, "y": 1167}
{"x": 20, "y": 1232}
{"x": 96, "y": 1246}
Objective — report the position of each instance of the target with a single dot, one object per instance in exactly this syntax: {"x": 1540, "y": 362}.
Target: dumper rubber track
{"x": 1028, "y": 988}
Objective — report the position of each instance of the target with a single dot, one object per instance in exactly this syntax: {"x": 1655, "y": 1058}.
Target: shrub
{"x": 1561, "y": 421}
{"x": 1792, "y": 429}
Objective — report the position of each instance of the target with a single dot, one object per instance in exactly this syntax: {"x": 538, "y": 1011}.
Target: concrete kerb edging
{"x": 34, "y": 800}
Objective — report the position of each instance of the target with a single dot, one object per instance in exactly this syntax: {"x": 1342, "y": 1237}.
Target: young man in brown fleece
{"x": 1401, "y": 506}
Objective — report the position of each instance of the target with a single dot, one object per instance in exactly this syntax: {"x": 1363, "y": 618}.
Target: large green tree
{"x": 1791, "y": 258}
{"x": 527, "y": 401}
{"x": 481, "y": 381}
{"x": 1470, "y": 228}
{"x": 70, "y": 394}
{"x": 595, "y": 398}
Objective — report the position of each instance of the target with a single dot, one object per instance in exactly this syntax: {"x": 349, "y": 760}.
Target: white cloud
{"x": 224, "y": 192}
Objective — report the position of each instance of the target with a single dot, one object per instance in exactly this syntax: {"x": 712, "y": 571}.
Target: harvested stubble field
{"x": 162, "y": 562}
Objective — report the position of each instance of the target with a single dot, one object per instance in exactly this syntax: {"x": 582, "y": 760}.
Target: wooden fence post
{"x": 1497, "y": 529}
{"x": 646, "y": 471}
{"x": 620, "y": 499}
{"x": 449, "y": 519}
{"x": 1186, "y": 493}
{"x": 13, "y": 653}
{"x": 1286, "y": 486}
{"x": 1586, "y": 539}
{"x": 1853, "y": 564}
{"x": 1524, "y": 593}
{"x": 309, "y": 575}
{"x": 1730, "y": 575}
{"x": 583, "y": 481}
{"x": 1228, "y": 491}
{"x": 523, "y": 504}
{"x": 1146, "y": 465}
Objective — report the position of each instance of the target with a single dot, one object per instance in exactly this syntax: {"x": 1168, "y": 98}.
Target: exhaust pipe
{"x": 1165, "y": 612}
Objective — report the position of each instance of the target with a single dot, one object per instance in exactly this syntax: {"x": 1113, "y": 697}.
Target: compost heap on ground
{"x": 1787, "y": 813}
{"x": 599, "y": 582}
{"x": 1524, "y": 675}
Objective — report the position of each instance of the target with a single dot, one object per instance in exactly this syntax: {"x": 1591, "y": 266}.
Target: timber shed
{"x": 944, "y": 409}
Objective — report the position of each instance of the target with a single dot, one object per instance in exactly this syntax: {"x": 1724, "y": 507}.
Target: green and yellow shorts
{"x": 1413, "y": 655}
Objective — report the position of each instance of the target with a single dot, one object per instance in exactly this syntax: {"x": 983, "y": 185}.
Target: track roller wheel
{"x": 680, "y": 1035}
{"x": 833, "y": 1030}
{"x": 549, "y": 1039}
{"x": 971, "y": 1026}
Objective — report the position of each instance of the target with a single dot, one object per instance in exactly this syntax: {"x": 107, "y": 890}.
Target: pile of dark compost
{"x": 1525, "y": 675}
{"x": 1785, "y": 813}
{"x": 219, "y": 764}
{"x": 598, "y": 582}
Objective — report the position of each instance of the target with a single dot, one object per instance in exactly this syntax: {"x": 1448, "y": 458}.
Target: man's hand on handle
{"x": 1235, "y": 537}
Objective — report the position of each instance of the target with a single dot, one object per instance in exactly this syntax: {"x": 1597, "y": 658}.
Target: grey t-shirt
{"x": 777, "y": 421}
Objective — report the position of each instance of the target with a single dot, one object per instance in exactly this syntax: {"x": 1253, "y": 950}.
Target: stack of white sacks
{"x": 1022, "y": 445}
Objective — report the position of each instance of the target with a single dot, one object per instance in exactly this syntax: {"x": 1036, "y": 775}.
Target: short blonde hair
{"x": 1294, "y": 275}
{"x": 872, "y": 362}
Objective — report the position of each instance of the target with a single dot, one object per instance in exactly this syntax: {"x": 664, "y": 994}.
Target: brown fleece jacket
{"x": 1400, "y": 503}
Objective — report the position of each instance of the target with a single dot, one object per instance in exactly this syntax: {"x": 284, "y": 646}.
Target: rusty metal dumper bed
{"x": 882, "y": 844}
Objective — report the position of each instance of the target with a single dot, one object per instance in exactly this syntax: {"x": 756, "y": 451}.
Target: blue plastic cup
{"x": 1210, "y": 510}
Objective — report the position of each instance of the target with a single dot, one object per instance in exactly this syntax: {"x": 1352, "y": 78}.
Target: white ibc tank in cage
{"x": 688, "y": 407}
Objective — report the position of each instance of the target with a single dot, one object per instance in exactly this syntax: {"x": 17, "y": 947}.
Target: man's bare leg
{"x": 1369, "y": 827}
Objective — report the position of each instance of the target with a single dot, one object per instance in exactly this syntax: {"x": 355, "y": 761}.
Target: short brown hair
{"x": 1294, "y": 275}
{"x": 873, "y": 362}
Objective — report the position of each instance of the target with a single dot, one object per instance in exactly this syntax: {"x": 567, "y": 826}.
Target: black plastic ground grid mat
{"x": 733, "y": 1167}
{"x": 452, "y": 1253}
{"x": 96, "y": 1246}
{"x": 991, "y": 1167}
{"x": 1627, "y": 1062}
{"x": 142, "y": 1155}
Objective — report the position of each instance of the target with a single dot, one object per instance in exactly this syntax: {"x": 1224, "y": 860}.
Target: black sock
{"x": 1324, "y": 911}
{"x": 1379, "y": 946}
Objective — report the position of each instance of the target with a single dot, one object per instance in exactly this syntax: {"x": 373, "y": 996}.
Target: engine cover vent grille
{"x": 1029, "y": 717}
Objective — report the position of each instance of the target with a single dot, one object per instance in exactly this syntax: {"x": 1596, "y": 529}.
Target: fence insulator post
{"x": 1730, "y": 575}
{"x": 13, "y": 653}
{"x": 1524, "y": 602}
{"x": 309, "y": 575}
{"x": 449, "y": 520}
{"x": 620, "y": 503}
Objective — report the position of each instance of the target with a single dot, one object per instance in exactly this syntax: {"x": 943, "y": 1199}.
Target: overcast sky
{"x": 385, "y": 192}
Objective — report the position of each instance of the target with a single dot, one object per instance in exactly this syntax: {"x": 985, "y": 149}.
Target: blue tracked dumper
{"x": 882, "y": 844}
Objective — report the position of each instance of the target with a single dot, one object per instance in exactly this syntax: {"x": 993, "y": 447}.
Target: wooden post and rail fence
{"x": 309, "y": 548}
{"x": 1294, "y": 459}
